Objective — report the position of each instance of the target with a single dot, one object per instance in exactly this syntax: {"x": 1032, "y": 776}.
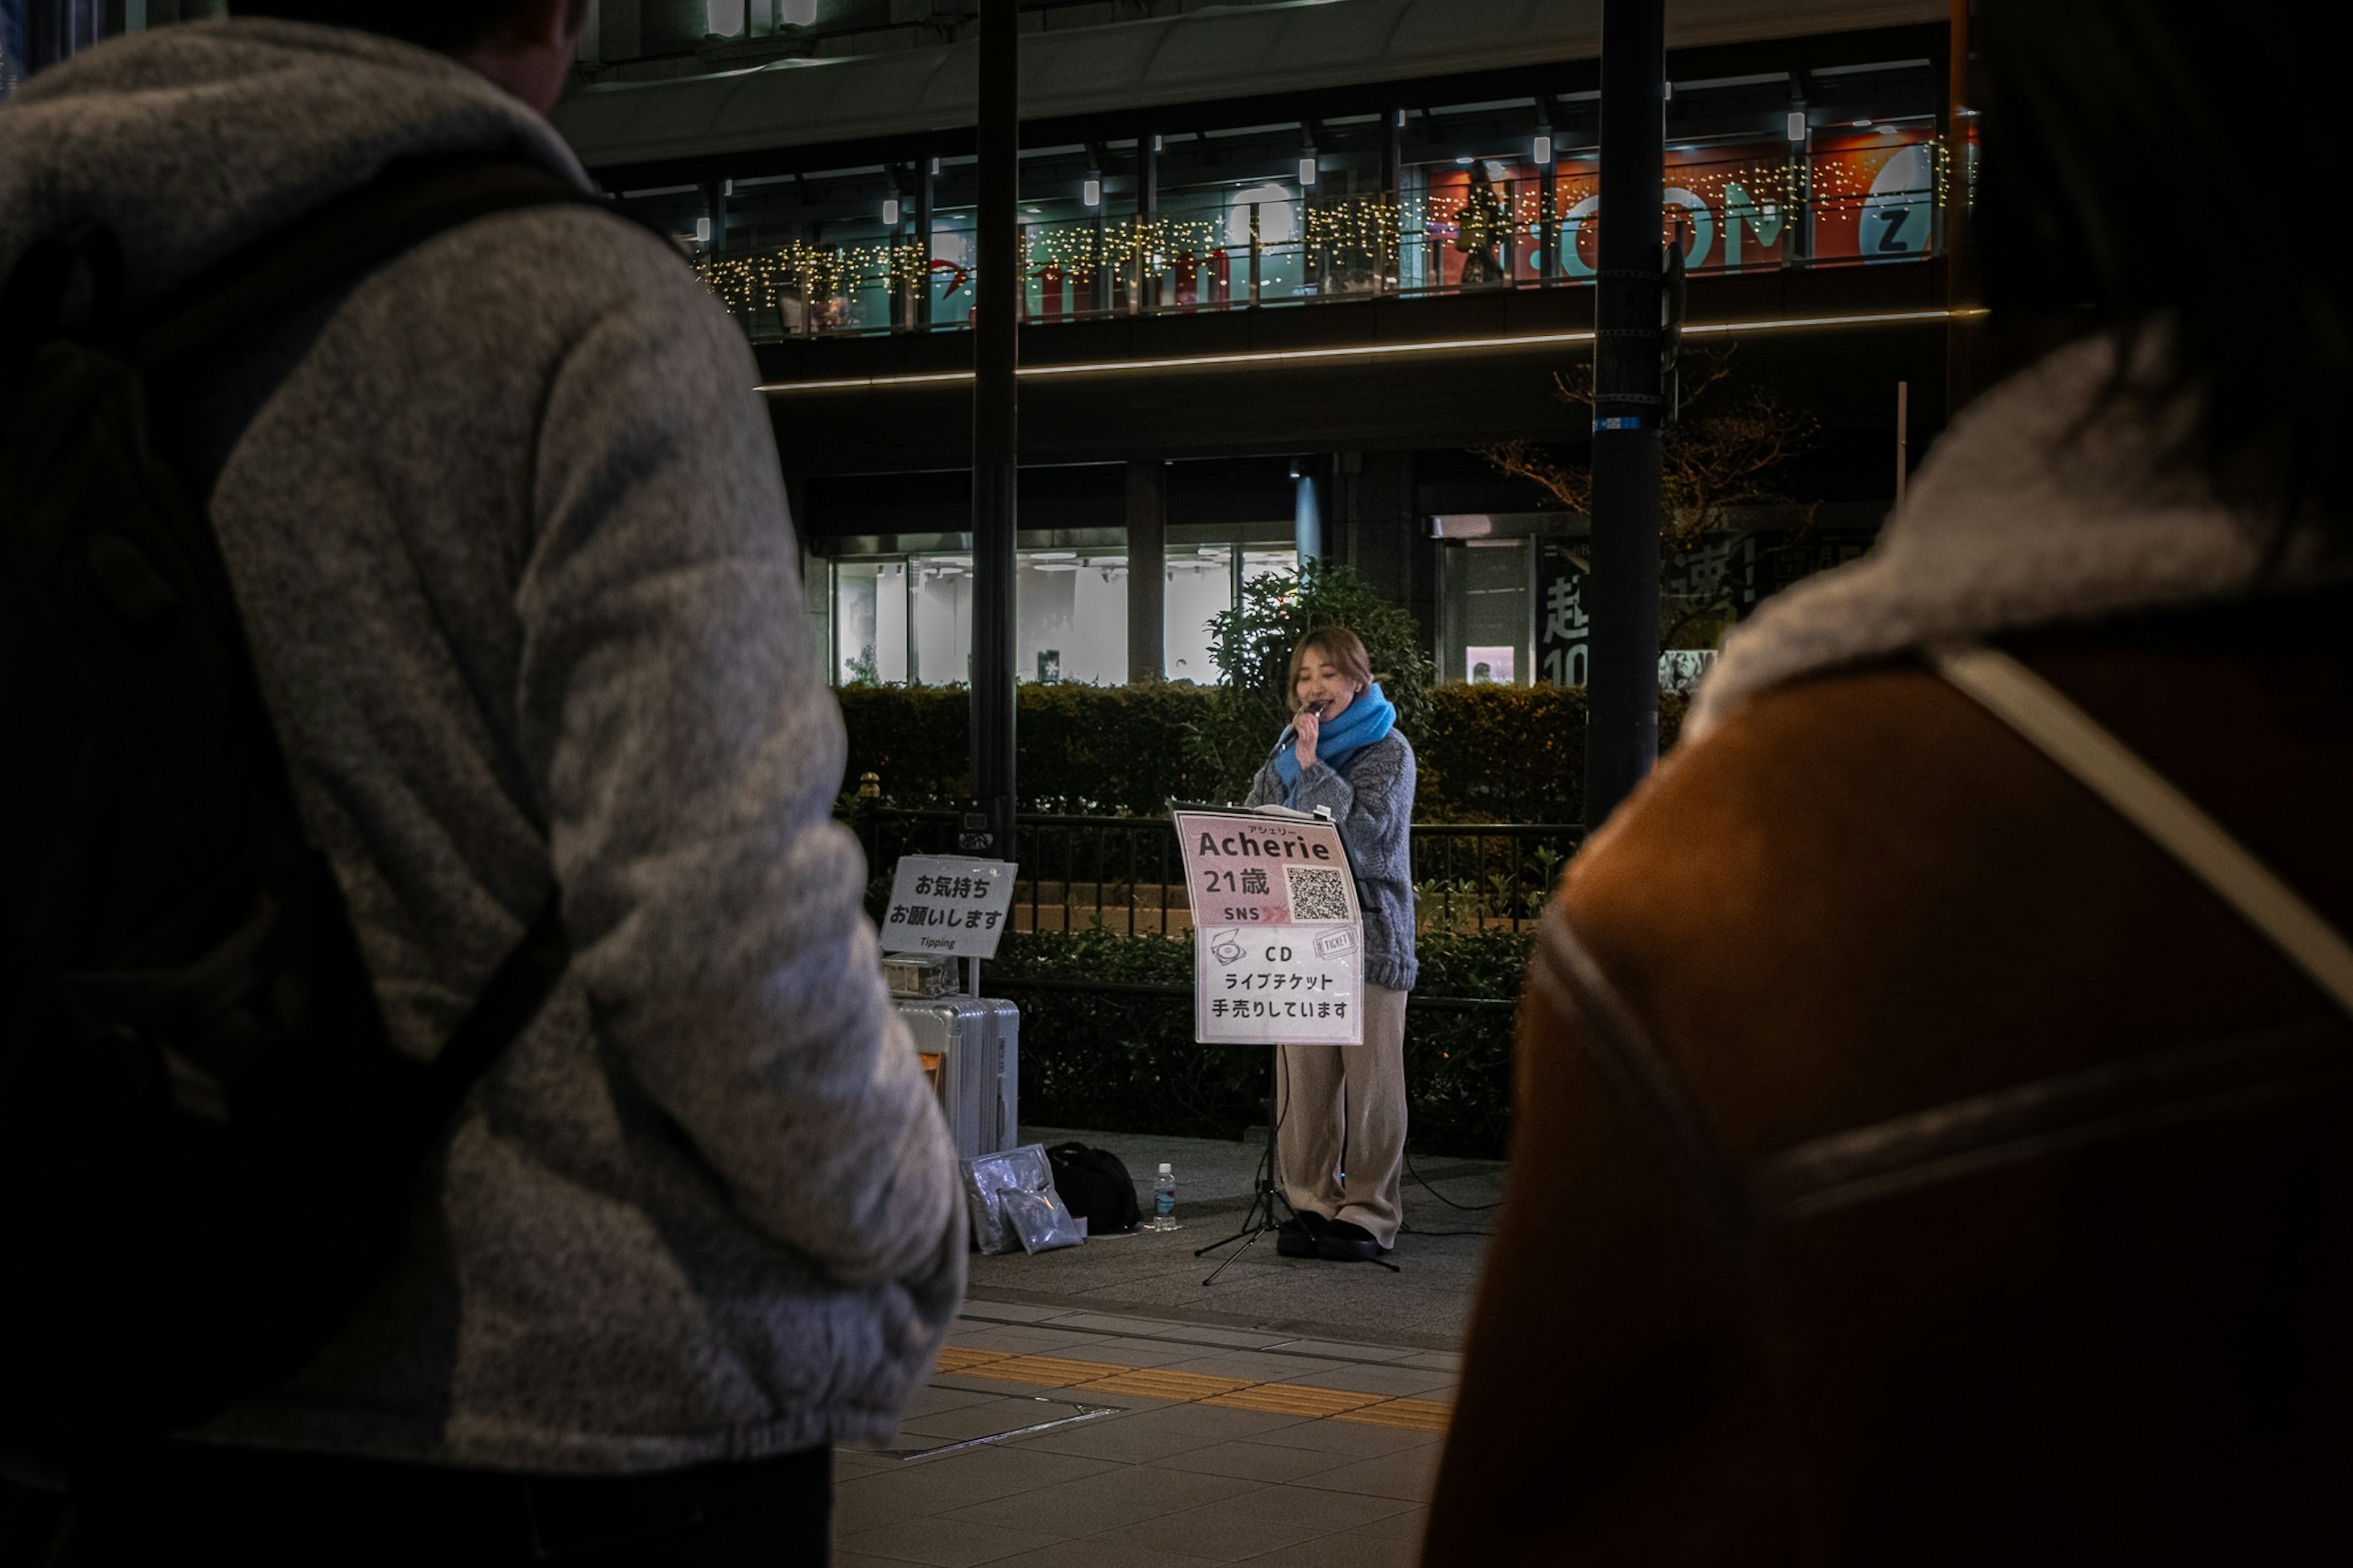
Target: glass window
{"x": 1071, "y": 617}
{"x": 1484, "y": 613}
{"x": 941, "y": 612}
{"x": 909, "y": 618}
{"x": 853, "y": 623}
{"x": 1200, "y": 585}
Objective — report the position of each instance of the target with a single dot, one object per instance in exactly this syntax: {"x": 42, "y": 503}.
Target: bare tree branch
{"x": 1714, "y": 466}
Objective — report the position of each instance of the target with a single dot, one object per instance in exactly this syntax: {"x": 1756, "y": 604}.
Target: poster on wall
{"x": 1561, "y": 620}
{"x": 1278, "y": 937}
{"x": 1874, "y": 195}
{"x": 1742, "y": 207}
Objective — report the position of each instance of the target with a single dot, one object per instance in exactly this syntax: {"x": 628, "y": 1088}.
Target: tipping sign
{"x": 947, "y": 905}
{"x": 1278, "y": 940}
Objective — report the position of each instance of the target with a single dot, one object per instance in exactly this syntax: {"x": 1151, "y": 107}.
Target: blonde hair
{"x": 1343, "y": 647}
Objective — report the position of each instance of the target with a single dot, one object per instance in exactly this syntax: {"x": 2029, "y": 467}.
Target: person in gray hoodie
{"x": 509, "y": 543}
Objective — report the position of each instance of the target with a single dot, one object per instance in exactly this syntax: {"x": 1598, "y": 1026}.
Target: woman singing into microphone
{"x": 1340, "y": 1109}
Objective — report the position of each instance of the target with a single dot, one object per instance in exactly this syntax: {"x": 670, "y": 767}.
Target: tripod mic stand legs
{"x": 1257, "y": 1220}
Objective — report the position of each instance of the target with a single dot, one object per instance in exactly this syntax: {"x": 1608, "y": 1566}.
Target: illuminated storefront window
{"x": 908, "y": 617}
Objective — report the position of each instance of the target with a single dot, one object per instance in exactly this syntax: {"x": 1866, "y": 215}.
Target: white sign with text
{"x": 1278, "y": 939}
{"x": 948, "y": 905}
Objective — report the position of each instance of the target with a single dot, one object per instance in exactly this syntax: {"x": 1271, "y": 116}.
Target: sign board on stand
{"x": 948, "y": 906}
{"x": 1278, "y": 938}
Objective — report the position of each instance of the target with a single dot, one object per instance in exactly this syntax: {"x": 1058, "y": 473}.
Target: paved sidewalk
{"x": 1057, "y": 1436}
{"x": 1426, "y": 1304}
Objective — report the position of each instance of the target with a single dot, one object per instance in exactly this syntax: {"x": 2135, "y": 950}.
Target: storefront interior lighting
{"x": 1271, "y": 357}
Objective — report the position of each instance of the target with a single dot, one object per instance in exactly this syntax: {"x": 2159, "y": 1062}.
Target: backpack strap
{"x": 331, "y": 247}
{"x": 2071, "y": 738}
{"x": 499, "y": 1016}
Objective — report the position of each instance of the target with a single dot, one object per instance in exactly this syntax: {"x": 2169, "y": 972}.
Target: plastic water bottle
{"x": 1163, "y": 1200}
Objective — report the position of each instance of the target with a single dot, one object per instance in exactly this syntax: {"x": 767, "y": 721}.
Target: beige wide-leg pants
{"x": 1347, "y": 1102}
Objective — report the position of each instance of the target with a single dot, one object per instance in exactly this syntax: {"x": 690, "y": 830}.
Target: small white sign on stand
{"x": 1278, "y": 938}
{"x": 949, "y": 906}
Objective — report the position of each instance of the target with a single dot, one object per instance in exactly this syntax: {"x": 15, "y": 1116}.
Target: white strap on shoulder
{"x": 2076, "y": 741}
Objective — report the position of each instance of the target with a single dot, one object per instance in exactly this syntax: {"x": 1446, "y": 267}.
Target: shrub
{"x": 1486, "y": 753}
{"x": 1127, "y": 1062}
{"x": 1084, "y": 750}
{"x": 1230, "y": 737}
{"x": 1511, "y": 754}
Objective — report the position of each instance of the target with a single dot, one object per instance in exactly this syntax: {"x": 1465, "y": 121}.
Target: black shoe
{"x": 1298, "y": 1236}
{"x": 1343, "y": 1241}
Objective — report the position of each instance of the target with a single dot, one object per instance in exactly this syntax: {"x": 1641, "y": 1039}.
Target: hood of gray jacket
{"x": 193, "y": 141}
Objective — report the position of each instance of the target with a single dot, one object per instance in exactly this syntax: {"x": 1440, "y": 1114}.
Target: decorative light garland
{"x": 1373, "y": 225}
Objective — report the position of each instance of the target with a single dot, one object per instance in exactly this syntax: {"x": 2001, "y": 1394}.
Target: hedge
{"x": 1487, "y": 754}
{"x": 1127, "y": 1062}
{"x": 1084, "y": 750}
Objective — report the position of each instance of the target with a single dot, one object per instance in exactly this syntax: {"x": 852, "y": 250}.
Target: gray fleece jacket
{"x": 1373, "y": 803}
{"x": 511, "y": 545}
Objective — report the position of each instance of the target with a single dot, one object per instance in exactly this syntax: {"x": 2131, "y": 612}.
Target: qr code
{"x": 1317, "y": 893}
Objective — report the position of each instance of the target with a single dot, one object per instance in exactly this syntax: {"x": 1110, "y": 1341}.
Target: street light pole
{"x": 997, "y": 293}
{"x": 1621, "y": 735}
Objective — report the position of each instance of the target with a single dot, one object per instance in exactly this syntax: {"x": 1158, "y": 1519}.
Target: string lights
{"x": 1832, "y": 182}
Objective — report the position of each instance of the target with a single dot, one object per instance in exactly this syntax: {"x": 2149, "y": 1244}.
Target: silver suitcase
{"x": 970, "y": 1050}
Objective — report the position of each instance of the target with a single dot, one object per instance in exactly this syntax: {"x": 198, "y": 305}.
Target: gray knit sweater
{"x": 1373, "y": 803}
{"x": 511, "y": 546}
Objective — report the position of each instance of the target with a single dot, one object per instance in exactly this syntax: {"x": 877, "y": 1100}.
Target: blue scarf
{"x": 1369, "y": 719}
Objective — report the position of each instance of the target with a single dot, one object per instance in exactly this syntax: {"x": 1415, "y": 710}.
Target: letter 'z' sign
{"x": 1278, "y": 941}
{"x": 947, "y": 905}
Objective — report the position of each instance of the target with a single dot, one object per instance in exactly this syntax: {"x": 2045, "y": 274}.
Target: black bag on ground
{"x": 1094, "y": 1186}
{"x": 208, "y": 1147}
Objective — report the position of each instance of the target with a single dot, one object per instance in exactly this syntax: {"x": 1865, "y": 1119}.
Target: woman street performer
{"x": 1340, "y": 1109}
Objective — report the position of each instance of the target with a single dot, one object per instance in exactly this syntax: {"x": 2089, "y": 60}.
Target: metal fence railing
{"x": 1125, "y": 874}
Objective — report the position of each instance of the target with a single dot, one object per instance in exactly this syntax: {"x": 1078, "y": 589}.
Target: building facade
{"x": 1295, "y": 274}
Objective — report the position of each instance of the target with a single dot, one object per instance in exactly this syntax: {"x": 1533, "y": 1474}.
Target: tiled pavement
{"x": 1059, "y": 1436}
{"x": 1428, "y": 1304}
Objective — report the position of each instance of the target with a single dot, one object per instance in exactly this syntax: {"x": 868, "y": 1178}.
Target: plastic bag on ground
{"x": 988, "y": 1177}
{"x": 1041, "y": 1221}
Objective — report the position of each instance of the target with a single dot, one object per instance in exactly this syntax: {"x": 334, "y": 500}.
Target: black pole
{"x": 1622, "y": 736}
{"x": 926, "y": 182}
{"x": 997, "y": 292}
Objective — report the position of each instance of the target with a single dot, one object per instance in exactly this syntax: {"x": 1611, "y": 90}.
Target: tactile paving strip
{"x": 1199, "y": 1388}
